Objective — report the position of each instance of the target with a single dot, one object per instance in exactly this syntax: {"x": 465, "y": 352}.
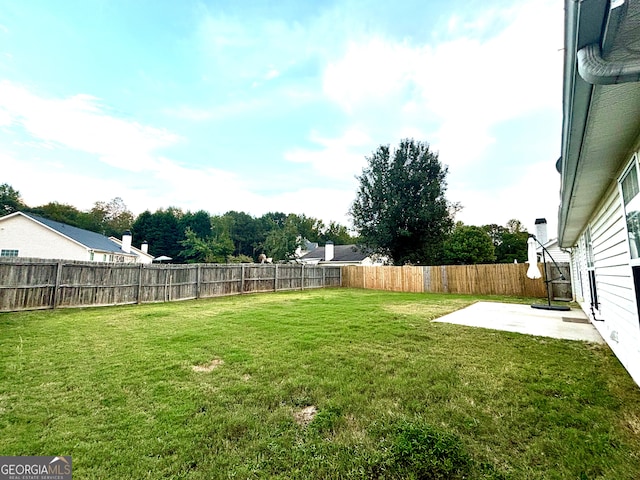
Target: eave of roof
{"x": 600, "y": 123}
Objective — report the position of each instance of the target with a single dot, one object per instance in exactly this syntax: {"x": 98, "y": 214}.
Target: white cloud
{"x": 80, "y": 123}
{"x": 5, "y": 118}
{"x": 338, "y": 158}
{"x": 328, "y": 204}
{"x": 533, "y": 194}
{"x": 371, "y": 71}
{"x": 467, "y": 85}
{"x": 216, "y": 191}
{"x": 272, "y": 73}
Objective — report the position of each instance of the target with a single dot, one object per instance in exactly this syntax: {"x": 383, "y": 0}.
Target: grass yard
{"x": 332, "y": 383}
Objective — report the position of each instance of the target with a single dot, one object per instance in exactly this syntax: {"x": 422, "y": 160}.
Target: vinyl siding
{"x": 34, "y": 240}
{"x": 614, "y": 280}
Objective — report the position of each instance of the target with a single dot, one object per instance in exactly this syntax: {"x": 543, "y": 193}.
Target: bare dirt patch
{"x": 208, "y": 367}
{"x": 305, "y": 416}
{"x": 633, "y": 423}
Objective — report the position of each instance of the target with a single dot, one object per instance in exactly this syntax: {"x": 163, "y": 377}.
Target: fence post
{"x": 302, "y": 277}
{"x": 324, "y": 277}
{"x": 166, "y": 283}
{"x": 445, "y": 283}
{"x": 139, "y": 289}
{"x": 56, "y": 287}
{"x": 275, "y": 278}
{"x": 242, "y": 279}
{"x": 341, "y": 275}
{"x": 198, "y": 275}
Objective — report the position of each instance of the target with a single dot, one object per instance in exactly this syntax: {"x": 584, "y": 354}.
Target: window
{"x": 591, "y": 272}
{"x": 631, "y": 200}
{"x": 630, "y": 190}
{"x": 8, "y": 253}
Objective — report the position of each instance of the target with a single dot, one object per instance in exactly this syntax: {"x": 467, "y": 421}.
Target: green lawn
{"x": 387, "y": 393}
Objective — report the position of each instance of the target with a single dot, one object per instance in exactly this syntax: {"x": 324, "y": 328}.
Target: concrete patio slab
{"x": 571, "y": 325}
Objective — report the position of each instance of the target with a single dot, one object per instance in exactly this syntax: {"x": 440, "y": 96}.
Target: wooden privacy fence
{"x": 37, "y": 284}
{"x": 495, "y": 279}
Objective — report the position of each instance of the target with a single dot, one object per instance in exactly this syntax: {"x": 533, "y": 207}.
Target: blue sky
{"x": 273, "y": 106}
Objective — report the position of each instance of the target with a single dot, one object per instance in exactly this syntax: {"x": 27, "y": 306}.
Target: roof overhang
{"x": 601, "y": 122}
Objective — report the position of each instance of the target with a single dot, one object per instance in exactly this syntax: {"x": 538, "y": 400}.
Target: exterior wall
{"x": 619, "y": 322}
{"x": 35, "y": 241}
{"x": 578, "y": 273}
{"x": 137, "y": 256}
{"x": 558, "y": 255}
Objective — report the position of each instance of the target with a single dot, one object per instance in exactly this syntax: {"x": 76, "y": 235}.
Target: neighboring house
{"x": 305, "y": 247}
{"x": 558, "y": 254}
{"x": 332, "y": 254}
{"x": 32, "y": 236}
{"x": 599, "y": 216}
{"x": 142, "y": 252}
{"x": 552, "y": 246}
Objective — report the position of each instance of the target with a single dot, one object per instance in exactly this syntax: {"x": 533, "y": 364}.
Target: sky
{"x": 262, "y": 106}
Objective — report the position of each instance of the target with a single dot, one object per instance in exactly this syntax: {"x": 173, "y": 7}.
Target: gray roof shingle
{"x": 341, "y": 253}
{"x": 89, "y": 239}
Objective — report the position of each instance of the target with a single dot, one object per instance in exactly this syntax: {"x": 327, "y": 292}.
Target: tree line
{"x": 187, "y": 236}
{"x": 400, "y": 212}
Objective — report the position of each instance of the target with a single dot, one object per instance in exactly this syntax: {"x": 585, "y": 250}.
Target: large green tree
{"x": 510, "y": 242}
{"x": 243, "y": 231}
{"x": 10, "y": 200}
{"x": 111, "y": 218}
{"x": 161, "y": 230}
{"x": 282, "y": 241}
{"x": 65, "y": 213}
{"x": 400, "y": 208}
{"x": 336, "y": 233}
{"x": 469, "y": 245}
{"x": 206, "y": 250}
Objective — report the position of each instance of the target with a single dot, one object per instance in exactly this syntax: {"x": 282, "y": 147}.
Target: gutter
{"x": 590, "y": 31}
{"x": 568, "y": 164}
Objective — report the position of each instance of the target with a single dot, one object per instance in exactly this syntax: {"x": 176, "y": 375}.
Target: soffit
{"x": 611, "y": 132}
{"x": 603, "y": 144}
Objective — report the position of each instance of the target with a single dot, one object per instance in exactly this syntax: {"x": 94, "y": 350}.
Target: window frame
{"x": 632, "y": 165}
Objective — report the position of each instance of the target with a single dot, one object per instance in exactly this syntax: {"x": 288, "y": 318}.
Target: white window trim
{"x": 633, "y": 163}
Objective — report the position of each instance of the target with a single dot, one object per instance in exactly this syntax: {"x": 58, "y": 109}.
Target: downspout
{"x": 593, "y": 68}
{"x": 596, "y": 70}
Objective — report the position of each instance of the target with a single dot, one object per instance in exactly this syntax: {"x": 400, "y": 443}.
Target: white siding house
{"x": 552, "y": 251}
{"x": 599, "y": 215}
{"x": 31, "y": 236}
